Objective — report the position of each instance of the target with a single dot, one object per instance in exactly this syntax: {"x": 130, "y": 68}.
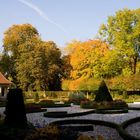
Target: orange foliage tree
{"x": 85, "y": 58}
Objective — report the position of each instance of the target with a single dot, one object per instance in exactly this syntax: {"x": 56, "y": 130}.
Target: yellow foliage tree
{"x": 85, "y": 58}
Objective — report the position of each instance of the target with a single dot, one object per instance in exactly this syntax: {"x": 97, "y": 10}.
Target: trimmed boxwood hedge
{"x": 36, "y": 111}
{"x": 125, "y": 124}
{"x": 55, "y": 113}
{"x": 101, "y": 111}
{"x": 119, "y": 128}
{"x": 81, "y": 128}
{"x": 111, "y": 111}
{"x": 134, "y": 108}
{"x": 33, "y": 108}
{"x": 85, "y": 121}
{"x": 55, "y": 105}
{"x": 64, "y": 115}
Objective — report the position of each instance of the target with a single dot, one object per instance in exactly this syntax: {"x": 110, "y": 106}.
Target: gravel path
{"x": 134, "y": 129}
{"x": 109, "y": 133}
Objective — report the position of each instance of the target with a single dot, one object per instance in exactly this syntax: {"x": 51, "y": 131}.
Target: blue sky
{"x": 61, "y": 20}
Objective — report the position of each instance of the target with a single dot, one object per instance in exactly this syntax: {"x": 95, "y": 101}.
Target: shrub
{"x": 85, "y": 104}
{"x": 50, "y": 132}
{"x": 14, "y": 133}
{"x": 32, "y": 107}
{"x": 55, "y": 114}
{"x": 36, "y": 97}
{"x": 103, "y": 93}
{"x": 88, "y": 105}
{"x": 15, "y": 109}
{"x": 116, "y": 104}
{"x": 76, "y": 98}
{"x": 46, "y": 103}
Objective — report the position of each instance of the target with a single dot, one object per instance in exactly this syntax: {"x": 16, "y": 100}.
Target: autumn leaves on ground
{"x": 34, "y": 64}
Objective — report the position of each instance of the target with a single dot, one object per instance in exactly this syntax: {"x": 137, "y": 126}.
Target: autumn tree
{"x": 122, "y": 33}
{"x": 14, "y": 37}
{"x": 42, "y": 70}
{"x": 17, "y": 35}
{"x": 66, "y": 67}
{"x": 85, "y": 58}
{"x": 36, "y": 63}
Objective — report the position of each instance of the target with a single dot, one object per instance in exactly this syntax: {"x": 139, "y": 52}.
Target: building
{"x": 4, "y": 85}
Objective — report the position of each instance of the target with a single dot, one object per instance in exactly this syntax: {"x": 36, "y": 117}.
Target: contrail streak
{"x": 42, "y": 14}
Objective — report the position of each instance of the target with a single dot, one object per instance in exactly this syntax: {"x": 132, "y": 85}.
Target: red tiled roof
{"x": 3, "y": 80}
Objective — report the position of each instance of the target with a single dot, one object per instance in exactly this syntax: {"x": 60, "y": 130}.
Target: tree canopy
{"x": 36, "y": 63}
{"x": 86, "y": 58}
{"x": 122, "y": 33}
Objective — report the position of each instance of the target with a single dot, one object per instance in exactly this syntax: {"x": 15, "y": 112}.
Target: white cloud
{"x": 42, "y": 14}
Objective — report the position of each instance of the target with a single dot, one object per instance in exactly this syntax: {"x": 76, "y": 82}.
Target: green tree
{"x": 17, "y": 35}
{"x": 5, "y": 63}
{"x": 15, "y": 38}
{"x": 66, "y": 66}
{"x": 40, "y": 67}
{"x": 113, "y": 64}
{"x": 36, "y": 64}
{"x": 122, "y": 33}
{"x": 54, "y": 68}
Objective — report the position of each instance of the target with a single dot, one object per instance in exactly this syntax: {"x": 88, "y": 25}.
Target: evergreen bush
{"x": 103, "y": 94}
{"x": 15, "y": 109}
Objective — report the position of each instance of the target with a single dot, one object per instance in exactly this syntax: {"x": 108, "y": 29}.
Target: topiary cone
{"x": 15, "y": 109}
{"x": 103, "y": 94}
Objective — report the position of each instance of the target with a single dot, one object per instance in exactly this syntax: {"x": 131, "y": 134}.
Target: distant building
{"x": 4, "y": 85}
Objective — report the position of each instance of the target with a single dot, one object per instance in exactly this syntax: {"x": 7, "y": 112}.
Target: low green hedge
{"x": 119, "y": 128}
{"x": 111, "y": 111}
{"x": 33, "y": 108}
{"x": 54, "y": 105}
{"x": 129, "y": 122}
{"x": 124, "y": 125}
{"x": 134, "y": 108}
{"x": 36, "y": 111}
{"x": 55, "y": 114}
{"x": 62, "y": 115}
{"x": 81, "y": 128}
{"x": 85, "y": 121}
{"x": 118, "y": 104}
